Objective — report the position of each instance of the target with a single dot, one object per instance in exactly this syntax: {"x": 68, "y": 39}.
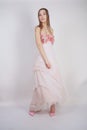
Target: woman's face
{"x": 42, "y": 16}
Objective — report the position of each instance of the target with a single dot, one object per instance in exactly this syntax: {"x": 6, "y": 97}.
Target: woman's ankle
{"x": 52, "y": 108}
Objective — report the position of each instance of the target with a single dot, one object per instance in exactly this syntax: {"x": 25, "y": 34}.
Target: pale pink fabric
{"x": 46, "y": 37}
{"x": 48, "y": 87}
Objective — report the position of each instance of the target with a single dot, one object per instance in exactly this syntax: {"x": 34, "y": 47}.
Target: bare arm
{"x": 52, "y": 30}
{"x": 39, "y": 44}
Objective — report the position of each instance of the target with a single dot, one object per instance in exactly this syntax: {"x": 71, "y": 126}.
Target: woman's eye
{"x": 42, "y": 14}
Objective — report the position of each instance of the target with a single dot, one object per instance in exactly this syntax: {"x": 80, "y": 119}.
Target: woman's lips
{"x": 42, "y": 19}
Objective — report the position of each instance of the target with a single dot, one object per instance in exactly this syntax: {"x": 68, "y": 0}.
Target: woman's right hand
{"x": 48, "y": 65}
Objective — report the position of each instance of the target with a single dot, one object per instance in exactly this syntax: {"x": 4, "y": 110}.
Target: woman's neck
{"x": 45, "y": 28}
{"x": 45, "y": 25}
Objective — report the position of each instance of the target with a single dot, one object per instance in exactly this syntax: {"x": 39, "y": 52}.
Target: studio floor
{"x": 67, "y": 118}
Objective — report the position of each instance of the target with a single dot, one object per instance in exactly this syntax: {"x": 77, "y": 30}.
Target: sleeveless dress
{"x": 48, "y": 85}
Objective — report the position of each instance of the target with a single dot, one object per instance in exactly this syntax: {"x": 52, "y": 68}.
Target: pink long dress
{"x": 48, "y": 86}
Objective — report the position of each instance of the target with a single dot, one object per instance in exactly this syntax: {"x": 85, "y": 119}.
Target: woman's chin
{"x": 43, "y": 21}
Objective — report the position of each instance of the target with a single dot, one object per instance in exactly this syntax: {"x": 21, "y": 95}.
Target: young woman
{"x": 48, "y": 88}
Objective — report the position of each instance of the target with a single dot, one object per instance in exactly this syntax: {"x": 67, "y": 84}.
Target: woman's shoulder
{"x": 52, "y": 30}
{"x": 37, "y": 28}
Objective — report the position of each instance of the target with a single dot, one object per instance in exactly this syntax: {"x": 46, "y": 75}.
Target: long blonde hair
{"x": 48, "y": 20}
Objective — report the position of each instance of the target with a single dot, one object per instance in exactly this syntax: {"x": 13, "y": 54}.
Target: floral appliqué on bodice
{"x": 47, "y": 37}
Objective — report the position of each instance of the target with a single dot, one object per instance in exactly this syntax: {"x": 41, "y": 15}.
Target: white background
{"x": 18, "y": 48}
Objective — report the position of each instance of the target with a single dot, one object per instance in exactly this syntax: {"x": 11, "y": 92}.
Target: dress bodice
{"x": 47, "y": 37}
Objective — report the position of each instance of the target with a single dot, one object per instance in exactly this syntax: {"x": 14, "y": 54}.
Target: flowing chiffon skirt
{"x": 48, "y": 87}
